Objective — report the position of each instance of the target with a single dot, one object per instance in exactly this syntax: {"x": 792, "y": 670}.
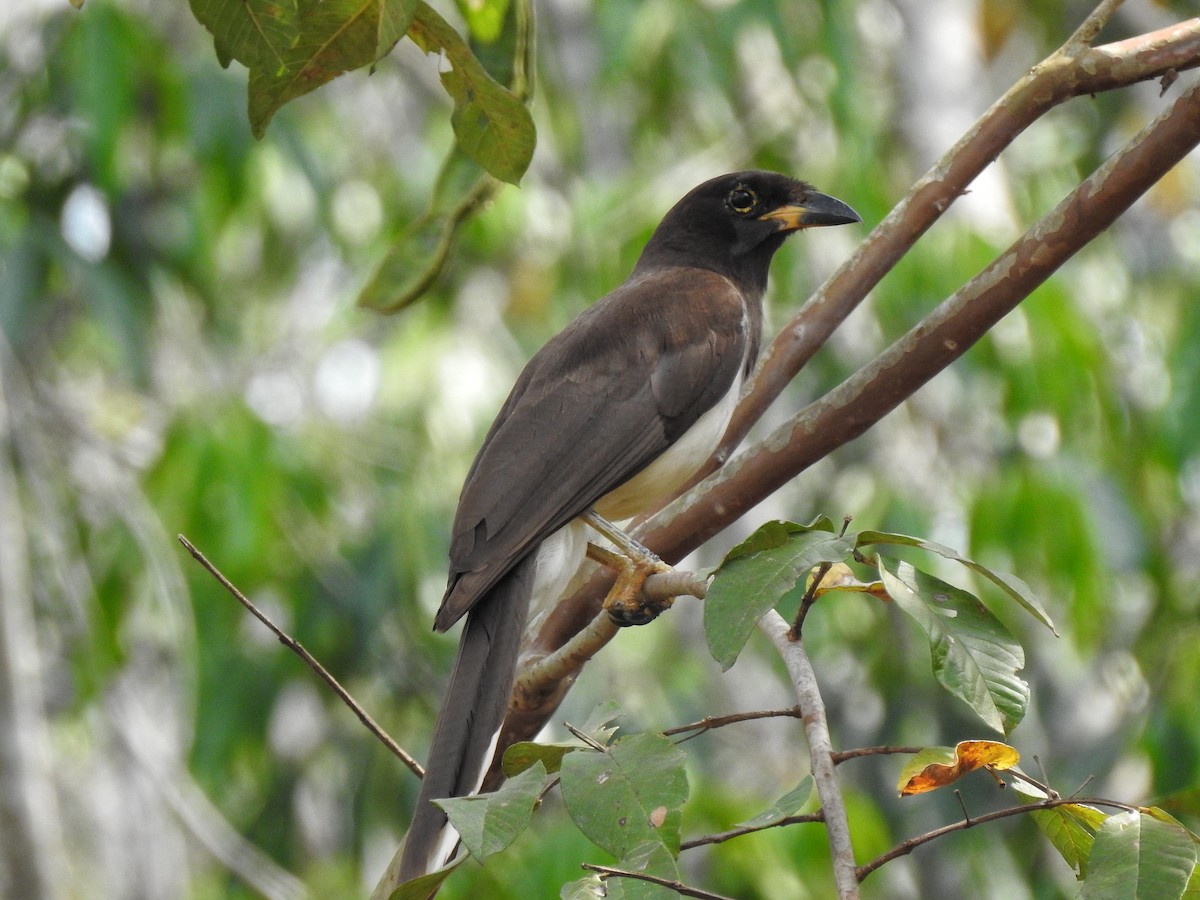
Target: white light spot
{"x": 1038, "y": 434}
{"x": 275, "y": 397}
{"x": 287, "y": 193}
{"x": 86, "y": 224}
{"x": 347, "y": 380}
{"x": 357, "y": 212}
{"x": 298, "y": 722}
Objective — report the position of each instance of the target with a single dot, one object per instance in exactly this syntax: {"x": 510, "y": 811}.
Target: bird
{"x": 611, "y": 416}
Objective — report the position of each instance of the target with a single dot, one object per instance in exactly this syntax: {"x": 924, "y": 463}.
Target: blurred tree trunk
{"x": 31, "y": 850}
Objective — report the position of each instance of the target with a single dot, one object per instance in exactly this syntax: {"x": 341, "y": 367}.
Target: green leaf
{"x": 628, "y": 794}
{"x": 756, "y": 574}
{"x": 651, "y": 858}
{"x": 598, "y": 726}
{"x": 488, "y": 823}
{"x": 974, "y": 656}
{"x": 257, "y": 33}
{"x": 292, "y": 47}
{"x": 1071, "y": 828}
{"x": 332, "y": 37}
{"x": 1010, "y": 584}
{"x": 524, "y": 754}
{"x": 1143, "y": 855}
{"x": 491, "y": 123}
{"x": 590, "y": 887}
{"x": 425, "y": 886}
{"x": 787, "y": 805}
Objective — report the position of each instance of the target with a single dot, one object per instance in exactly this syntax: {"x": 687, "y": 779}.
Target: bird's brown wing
{"x": 595, "y": 406}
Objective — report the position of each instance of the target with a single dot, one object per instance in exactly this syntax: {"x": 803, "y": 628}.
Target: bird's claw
{"x": 625, "y": 603}
{"x": 638, "y": 614}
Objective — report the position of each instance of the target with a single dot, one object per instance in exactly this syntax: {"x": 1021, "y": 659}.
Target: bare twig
{"x": 708, "y": 723}
{"x": 820, "y": 751}
{"x": 677, "y": 886}
{"x": 309, "y": 660}
{"x": 1092, "y": 26}
{"x": 841, "y": 756}
{"x": 723, "y": 836}
{"x": 807, "y": 601}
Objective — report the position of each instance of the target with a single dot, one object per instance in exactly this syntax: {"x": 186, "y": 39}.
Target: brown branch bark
{"x": 945, "y": 334}
{"x": 1074, "y": 70}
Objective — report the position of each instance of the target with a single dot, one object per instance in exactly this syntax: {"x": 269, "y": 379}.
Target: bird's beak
{"x": 817, "y": 209}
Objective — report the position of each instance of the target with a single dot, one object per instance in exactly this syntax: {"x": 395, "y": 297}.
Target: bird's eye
{"x": 741, "y": 200}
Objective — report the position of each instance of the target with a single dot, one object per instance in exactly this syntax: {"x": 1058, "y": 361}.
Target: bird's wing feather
{"x": 594, "y": 407}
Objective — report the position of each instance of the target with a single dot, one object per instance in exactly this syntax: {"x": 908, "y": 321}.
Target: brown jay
{"x": 613, "y": 414}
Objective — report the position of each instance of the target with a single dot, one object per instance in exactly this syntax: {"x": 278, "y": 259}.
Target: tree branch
{"x": 906, "y": 847}
{"x": 1072, "y": 71}
{"x": 677, "y": 886}
{"x": 709, "y": 723}
{"x": 309, "y": 660}
{"x": 721, "y": 837}
{"x": 820, "y": 751}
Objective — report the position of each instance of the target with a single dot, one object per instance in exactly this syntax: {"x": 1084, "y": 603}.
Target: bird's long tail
{"x": 471, "y": 715}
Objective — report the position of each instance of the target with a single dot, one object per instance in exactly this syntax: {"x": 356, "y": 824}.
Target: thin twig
{"x": 708, "y": 723}
{"x": 677, "y": 886}
{"x": 309, "y": 660}
{"x": 807, "y": 601}
{"x": 840, "y": 756}
{"x": 908, "y": 846}
{"x": 814, "y": 586}
{"x": 820, "y": 751}
{"x": 721, "y": 837}
{"x": 1092, "y": 26}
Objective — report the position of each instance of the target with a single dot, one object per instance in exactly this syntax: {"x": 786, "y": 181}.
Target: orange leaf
{"x": 936, "y": 767}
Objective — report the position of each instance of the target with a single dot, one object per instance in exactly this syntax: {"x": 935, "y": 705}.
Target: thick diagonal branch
{"x": 1074, "y": 70}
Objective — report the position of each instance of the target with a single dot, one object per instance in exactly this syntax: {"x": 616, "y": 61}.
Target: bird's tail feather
{"x": 471, "y": 714}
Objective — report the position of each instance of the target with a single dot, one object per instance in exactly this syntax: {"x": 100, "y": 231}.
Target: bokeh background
{"x": 180, "y": 353}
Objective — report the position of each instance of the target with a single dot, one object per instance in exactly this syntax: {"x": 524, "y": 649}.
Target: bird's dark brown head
{"x": 733, "y": 224}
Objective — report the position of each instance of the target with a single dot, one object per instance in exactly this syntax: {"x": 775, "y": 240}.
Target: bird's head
{"x": 734, "y": 223}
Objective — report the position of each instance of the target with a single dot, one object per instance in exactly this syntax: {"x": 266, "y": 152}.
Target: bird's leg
{"x": 633, "y": 564}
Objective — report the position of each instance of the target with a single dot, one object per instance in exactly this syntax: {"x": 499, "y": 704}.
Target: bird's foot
{"x": 625, "y": 603}
{"x": 633, "y": 564}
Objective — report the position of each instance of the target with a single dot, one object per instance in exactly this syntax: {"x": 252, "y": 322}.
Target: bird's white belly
{"x": 674, "y": 467}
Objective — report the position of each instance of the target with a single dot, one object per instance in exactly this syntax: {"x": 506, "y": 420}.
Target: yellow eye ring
{"x": 741, "y": 199}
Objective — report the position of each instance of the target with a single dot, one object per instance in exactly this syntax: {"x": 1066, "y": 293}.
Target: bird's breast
{"x": 671, "y": 470}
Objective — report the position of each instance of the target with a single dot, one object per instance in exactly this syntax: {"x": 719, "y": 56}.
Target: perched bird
{"x": 613, "y": 414}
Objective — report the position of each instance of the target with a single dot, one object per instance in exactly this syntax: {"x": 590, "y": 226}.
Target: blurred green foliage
{"x": 181, "y": 354}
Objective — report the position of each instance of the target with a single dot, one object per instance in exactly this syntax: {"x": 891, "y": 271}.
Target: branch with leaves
{"x": 948, "y": 331}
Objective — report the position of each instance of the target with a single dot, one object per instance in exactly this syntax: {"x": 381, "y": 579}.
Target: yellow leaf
{"x": 840, "y": 577}
{"x": 936, "y": 767}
